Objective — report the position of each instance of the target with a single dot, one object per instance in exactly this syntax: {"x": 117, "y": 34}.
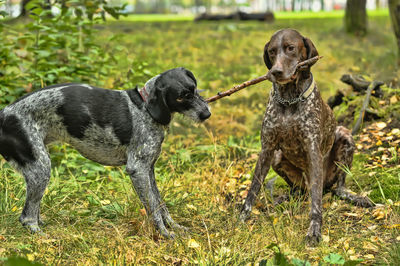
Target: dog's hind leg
{"x": 36, "y": 175}
{"x": 342, "y": 157}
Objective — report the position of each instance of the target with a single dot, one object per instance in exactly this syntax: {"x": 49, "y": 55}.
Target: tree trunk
{"x": 24, "y": 12}
{"x": 323, "y": 5}
{"x": 356, "y": 17}
{"x": 394, "y": 10}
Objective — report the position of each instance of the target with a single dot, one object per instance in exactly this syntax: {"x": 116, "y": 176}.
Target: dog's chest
{"x": 289, "y": 130}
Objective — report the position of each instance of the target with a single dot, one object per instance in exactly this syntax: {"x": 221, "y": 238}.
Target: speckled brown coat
{"x": 300, "y": 140}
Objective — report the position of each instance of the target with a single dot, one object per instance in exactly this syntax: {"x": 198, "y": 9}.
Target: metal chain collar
{"x": 277, "y": 97}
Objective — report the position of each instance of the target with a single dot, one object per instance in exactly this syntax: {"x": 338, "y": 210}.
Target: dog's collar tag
{"x": 303, "y": 96}
{"x": 143, "y": 93}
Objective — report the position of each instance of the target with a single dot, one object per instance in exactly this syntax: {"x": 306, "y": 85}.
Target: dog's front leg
{"x": 141, "y": 172}
{"x": 315, "y": 186}
{"x": 164, "y": 210}
{"x": 262, "y": 168}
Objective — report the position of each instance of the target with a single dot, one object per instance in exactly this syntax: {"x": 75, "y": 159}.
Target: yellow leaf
{"x": 369, "y": 256}
{"x": 353, "y": 257}
{"x": 14, "y": 209}
{"x": 275, "y": 220}
{"x": 380, "y": 125}
{"x": 379, "y": 143}
{"x": 393, "y": 226}
{"x": 192, "y": 207}
{"x": 370, "y": 246}
{"x": 193, "y": 244}
{"x": 30, "y": 257}
{"x": 393, "y": 99}
{"x": 255, "y": 212}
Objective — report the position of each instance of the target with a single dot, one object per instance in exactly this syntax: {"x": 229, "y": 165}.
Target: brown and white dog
{"x": 300, "y": 137}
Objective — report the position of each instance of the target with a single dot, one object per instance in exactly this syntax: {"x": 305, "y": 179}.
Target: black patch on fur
{"x": 83, "y": 106}
{"x": 14, "y": 142}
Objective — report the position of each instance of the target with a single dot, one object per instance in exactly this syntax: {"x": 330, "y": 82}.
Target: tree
{"x": 23, "y": 8}
{"x": 355, "y": 18}
{"x": 394, "y": 10}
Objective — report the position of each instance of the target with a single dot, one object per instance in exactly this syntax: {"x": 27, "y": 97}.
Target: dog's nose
{"x": 277, "y": 72}
{"x": 205, "y": 114}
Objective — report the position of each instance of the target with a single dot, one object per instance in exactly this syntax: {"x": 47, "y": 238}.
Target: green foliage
{"x": 19, "y": 261}
{"x": 280, "y": 259}
{"x": 92, "y": 213}
{"x": 54, "y": 48}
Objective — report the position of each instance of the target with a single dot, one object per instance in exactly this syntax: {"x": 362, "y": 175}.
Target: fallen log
{"x": 359, "y": 84}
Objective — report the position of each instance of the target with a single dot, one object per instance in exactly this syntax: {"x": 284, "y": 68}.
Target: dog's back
{"x": 97, "y": 122}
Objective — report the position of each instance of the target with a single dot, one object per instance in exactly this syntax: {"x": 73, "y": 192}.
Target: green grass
{"x": 93, "y": 215}
{"x": 278, "y": 15}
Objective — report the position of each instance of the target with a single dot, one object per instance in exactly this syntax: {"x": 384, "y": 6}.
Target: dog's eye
{"x": 179, "y": 100}
{"x": 290, "y": 48}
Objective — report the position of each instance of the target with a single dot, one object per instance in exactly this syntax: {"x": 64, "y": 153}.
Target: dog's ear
{"x": 190, "y": 75}
{"x": 267, "y": 61}
{"x": 157, "y": 106}
{"x": 311, "y": 51}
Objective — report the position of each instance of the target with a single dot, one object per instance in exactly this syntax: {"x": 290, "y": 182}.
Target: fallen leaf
{"x": 192, "y": 207}
{"x": 351, "y": 214}
{"x": 142, "y": 212}
{"x": 193, "y": 244}
{"x": 369, "y": 256}
{"x": 393, "y": 226}
{"x": 380, "y": 125}
{"x": 393, "y": 99}
{"x": 370, "y": 246}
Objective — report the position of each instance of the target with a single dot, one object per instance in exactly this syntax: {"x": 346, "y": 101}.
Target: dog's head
{"x": 175, "y": 90}
{"x": 284, "y": 51}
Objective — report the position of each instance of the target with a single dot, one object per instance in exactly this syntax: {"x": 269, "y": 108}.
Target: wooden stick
{"x": 236, "y": 88}
{"x": 307, "y": 62}
{"x": 360, "y": 118}
{"x": 257, "y": 80}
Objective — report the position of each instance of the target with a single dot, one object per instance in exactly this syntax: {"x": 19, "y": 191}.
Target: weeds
{"x": 93, "y": 216}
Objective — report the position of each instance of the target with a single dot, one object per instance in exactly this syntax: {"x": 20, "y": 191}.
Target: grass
{"x": 93, "y": 216}
{"x": 278, "y": 15}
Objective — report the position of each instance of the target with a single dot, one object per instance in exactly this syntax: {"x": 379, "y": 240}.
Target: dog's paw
{"x": 245, "y": 213}
{"x": 168, "y": 234}
{"x": 33, "y": 228}
{"x": 314, "y": 234}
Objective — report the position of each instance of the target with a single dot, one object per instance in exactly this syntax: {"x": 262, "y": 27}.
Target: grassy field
{"x": 93, "y": 216}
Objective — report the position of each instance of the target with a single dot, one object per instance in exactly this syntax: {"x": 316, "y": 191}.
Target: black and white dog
{"x": 110, "y": 127}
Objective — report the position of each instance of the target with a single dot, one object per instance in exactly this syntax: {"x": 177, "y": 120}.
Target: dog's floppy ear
{"x": 190, "y": 74}
{"x": 311, "y": 51}
{"x": 157, "y": 106}
{"x": 267, "y": 61}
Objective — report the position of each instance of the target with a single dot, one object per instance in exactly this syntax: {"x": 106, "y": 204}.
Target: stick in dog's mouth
{"x": 302, "y": 64}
